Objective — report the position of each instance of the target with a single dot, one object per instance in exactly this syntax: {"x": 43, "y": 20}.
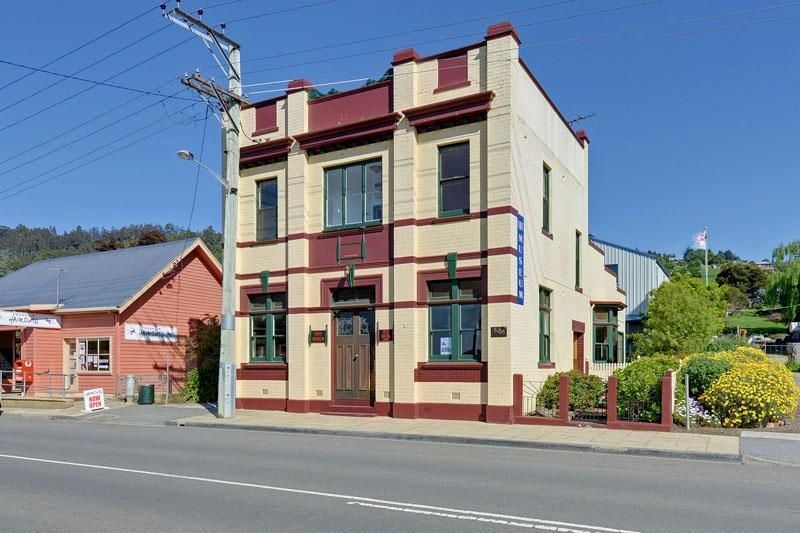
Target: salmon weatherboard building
{"x": 87, "y": 321}
{"x": 405, "y": 248}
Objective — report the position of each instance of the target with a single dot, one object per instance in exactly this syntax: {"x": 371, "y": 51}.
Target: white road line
{"x": 479, "y": 516}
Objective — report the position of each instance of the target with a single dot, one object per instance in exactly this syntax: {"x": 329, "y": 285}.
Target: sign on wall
{"x": 520, "y": 259}
{"x": 29, "y": 320}
{"x": 150, "y": 333}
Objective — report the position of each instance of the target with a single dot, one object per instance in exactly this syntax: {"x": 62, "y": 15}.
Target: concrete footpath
{"x": 778, "y": 448}
{"x": 649, "y": 443}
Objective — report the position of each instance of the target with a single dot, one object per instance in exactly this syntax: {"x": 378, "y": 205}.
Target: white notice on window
{"x": 445, "y": 346}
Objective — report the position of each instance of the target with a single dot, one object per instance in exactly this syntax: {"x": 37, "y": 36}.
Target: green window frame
{"x": 267, "y": 210}
{"x": 454, "y": 318}
{"x": 544, "y": 324}
{"x": 268, "y": 327}
{"x": 608, "y": 347}
{"x": 454, "y": 194}
{"x": 577, "y": 259}
{"x": 354, "y": 195}
{"x": 546, "y": 199}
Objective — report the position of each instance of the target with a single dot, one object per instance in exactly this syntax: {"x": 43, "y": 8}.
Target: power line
{"x": 82, "y": 46}
{"x": 452, "y": 37}
{"x": 409, "y": 32}
{"x": 278, "y": 12}
{"x": 90, "y": 134}
{"x": 95, "y": 84}
{"x": 6, "y": 193}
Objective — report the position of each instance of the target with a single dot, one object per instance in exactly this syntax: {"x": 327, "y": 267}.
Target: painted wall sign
{"x": 386, "y": 335}
{"x": 94, "y": 400}
{"x": 499, "y": 331}
{"x": 520, "y": 259}
{"x": 29, "y": 320}
{"x": 150, "y": 333}
{"x": 318, "y": 335}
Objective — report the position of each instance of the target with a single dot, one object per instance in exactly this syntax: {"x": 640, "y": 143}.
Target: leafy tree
{"x": 736, "y": 298}
{"x": 746, "y": 277}
{"x": 202, "y": 353}
{"x": 151, "y": 236}
{"x": 107, "y": 242}
{"x": 682, "y": 317}
{"x": 784, "y": 284}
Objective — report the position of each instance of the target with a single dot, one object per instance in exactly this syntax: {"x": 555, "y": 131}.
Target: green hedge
{"x": 640, "y": 383}
{"x": 585, "y": 391}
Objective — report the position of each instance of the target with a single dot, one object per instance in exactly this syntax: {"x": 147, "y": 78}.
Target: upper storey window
{"x": 267, "y": 210}
{"x": 353, "y": 195}
{"x": 454, "y": 179}
{"x": 266, "y": 119}
{"x": 452, "y": 72}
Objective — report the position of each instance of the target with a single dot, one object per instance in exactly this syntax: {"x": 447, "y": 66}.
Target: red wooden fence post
{"x": 611, "y": 401}
{"x": 517, "y": 395}
{"x": 563, "y": 397}
{"x": 666, "y": 400}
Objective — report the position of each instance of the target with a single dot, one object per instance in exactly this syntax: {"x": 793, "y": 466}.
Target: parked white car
{"x": 759, "y": 339}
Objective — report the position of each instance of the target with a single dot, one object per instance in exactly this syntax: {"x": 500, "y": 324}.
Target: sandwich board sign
{"x": 93, "y": 400}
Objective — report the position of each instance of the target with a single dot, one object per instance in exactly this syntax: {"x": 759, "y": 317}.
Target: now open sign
{"x": 94, "y": 400}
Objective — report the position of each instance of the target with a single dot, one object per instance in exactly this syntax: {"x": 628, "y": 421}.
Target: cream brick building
{"x": 406, "y": 247}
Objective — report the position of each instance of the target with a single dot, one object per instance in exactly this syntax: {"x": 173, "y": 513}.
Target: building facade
{"x": 639, "y": 273}
{"x": 406, "y": 247}
{"x": 120, "y": 312}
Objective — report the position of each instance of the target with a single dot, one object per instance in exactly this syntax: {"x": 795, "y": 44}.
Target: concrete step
{"x": 20, "y": 402}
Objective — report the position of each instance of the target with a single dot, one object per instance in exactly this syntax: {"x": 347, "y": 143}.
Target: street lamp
{"x": 226, "y": 392}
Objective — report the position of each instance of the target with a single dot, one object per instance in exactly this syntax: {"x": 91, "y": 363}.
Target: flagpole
{"x": 705, "y": 233}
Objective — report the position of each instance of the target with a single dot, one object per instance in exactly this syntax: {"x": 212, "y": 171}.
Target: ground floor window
{"x": 454, "y": 317}
{"x": 268, "y": 327}
{"x": 544, "y": 325}
{"x": 92, "y": 354}
{"x": 609, "y": 342}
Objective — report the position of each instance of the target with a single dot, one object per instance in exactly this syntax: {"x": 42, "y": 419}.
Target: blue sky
{"x": 689, "y": 130}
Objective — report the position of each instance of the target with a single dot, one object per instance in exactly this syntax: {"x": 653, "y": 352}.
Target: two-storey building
{"x": 404, "y": 248}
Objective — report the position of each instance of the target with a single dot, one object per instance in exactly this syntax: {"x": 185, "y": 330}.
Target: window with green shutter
{"x": 544, "y": 325}
{"x": 609, "y": 347}
{"x": 353, "y": 195}
{"x": 546, "y": 199}
{"x": 454, "y": 179}
{"x": 454, "y": 314}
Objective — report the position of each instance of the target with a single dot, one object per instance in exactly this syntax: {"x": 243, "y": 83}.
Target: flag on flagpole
{"x": 701, "y": 240}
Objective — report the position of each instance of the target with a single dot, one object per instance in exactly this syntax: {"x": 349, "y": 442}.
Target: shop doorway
{"x": 353, "y": 347}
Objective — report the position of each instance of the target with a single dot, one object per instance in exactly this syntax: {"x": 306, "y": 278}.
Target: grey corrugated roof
{"x": 100, "y": 279}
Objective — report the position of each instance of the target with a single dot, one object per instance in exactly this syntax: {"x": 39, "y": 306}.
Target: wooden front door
{"x": 577, "y": 352}
{"x": 354, "y": 355}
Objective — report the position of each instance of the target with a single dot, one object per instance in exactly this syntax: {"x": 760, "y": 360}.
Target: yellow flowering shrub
{"x": 751, "y": 394}
{"x": 740, "y": 354}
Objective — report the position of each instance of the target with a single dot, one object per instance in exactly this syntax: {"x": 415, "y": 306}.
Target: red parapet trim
{"x": 597, "y": 248}
{"x": 454, "y": 52}
{"x": 263, "y": 371}
{"x": 298, "y": 85}
{"x": 261, "y": 404}
{"x": 578, "y": 327}
{"x": 263, "y": 152}
{"x": 349, "y": 92}
{"x": 610, "y": 303}
{"x": 502, "y": 28}
{"x": 452, "y": 86}
{"x": 262, "y": 103}
{"x": 465, "y": 106}
{"x": 451, "y": 372}
{"x": 549, "y": 100}
{"x": 264, "y": 131}
{"x": 404, "y": 56}
{"x": 318, "y": 140}
{"x": 500, "y": 414}
{"x": 581, "y": 134}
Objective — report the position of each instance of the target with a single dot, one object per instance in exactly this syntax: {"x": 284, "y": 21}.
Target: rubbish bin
{"x": 147, "y": 394}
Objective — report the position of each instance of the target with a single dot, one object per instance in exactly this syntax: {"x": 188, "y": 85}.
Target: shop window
{"x": 609, "y": 346}
{"x": 268, "y": 327}
{"x": 454, "y": 179}
{"x": 454, "y": 315}
{"x": 544, "y": 325}
{"x": 267, "y": 216}
{"x": 92, "y": 354}
{"x": 353, "y": 195}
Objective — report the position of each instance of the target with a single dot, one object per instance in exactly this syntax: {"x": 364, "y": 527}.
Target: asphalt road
{"x": 85, "y": 476}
